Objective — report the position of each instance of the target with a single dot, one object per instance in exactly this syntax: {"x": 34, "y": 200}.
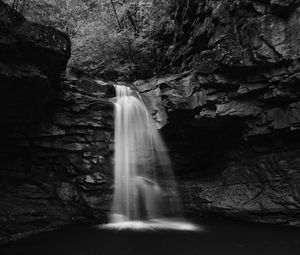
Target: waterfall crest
{"x": 145, "y": 187}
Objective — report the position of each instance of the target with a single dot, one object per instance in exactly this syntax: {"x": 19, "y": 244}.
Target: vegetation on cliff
{"x": 110, "y": 38}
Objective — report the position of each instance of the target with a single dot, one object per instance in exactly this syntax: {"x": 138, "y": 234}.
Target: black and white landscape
{"x": 213, "y": 137}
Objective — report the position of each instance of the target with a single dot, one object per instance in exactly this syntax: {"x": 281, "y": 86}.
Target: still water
{"x": 215, "y": 236}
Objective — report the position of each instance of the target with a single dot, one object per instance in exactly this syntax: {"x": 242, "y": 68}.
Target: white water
{"x": 145, "y": 194}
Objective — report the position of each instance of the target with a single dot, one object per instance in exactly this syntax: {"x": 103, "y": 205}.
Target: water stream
{"x": 145, "y": 193}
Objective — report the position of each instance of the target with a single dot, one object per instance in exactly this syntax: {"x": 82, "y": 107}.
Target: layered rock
{"x": 231, "y": 114}
{"x": 56, "y": 133}
{"x": 56, "y": 171}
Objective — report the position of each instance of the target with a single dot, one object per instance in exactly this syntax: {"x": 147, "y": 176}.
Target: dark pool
{"x": 221, "y": 237}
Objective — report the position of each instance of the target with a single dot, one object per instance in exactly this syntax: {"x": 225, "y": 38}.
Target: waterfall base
{"x": 154, "y": 224}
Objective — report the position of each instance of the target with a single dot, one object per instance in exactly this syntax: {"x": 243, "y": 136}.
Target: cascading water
{"x": 145, "y": 189}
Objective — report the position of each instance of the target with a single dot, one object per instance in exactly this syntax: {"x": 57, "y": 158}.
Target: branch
{"x": 115, "y": 12}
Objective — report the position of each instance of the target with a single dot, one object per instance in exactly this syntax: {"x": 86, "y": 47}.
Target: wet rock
{"x": 66, "y": 192}
{"x": 239, "y": 109}
{"x": 95, "y": 181}
{"x": 34, "y": 192}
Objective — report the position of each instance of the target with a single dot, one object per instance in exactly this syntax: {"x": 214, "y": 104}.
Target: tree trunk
{"x": 116, "y": 14}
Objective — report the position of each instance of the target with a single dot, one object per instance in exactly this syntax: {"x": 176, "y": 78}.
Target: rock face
{"x": 231, "y": 116}
{"x": 55, "y": 133}
{"x": 56, "y": 170}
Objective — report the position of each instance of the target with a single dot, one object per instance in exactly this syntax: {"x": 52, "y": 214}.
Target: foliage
{"x": 114, "y": 38}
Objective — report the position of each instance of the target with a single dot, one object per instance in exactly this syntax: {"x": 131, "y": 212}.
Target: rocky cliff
{"x": 231, "y": 116}
{"x": 229, "y": 111}
{"x": 55, "y": 133}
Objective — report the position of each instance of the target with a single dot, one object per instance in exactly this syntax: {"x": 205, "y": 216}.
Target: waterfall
{"x": 144, "y": 185}
{"x": 144, "y": 182}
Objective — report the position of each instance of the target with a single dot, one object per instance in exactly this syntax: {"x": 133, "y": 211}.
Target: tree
{"x": 19, "y": 5}
{"x": 124, "y": 37}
